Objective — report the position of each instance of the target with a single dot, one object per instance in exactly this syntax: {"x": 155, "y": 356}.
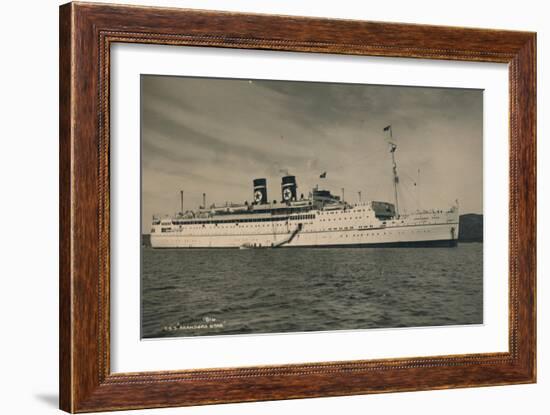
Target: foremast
{"x": 393, "y": 147}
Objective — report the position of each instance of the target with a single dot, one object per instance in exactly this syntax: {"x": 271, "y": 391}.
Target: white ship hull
{"x": 353, "y": 227}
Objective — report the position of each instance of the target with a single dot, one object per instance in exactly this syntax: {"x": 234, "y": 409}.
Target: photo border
{"x": 86, "y": 34}
{"x": 129, "y": 354}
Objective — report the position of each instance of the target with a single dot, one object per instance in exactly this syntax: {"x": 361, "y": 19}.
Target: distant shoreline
{"x": 470, "y": 228}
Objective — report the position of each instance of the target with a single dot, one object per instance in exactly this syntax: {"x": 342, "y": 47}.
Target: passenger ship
{"x": 319, "y": 220}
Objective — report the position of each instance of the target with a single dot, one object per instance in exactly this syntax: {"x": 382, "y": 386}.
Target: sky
{"x": 214, "y": 136}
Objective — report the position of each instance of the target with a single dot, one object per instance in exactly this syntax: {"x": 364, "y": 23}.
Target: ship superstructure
{"x": 321, "y": 219}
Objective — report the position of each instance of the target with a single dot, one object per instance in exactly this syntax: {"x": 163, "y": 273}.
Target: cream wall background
{"x": 29, "y": 193}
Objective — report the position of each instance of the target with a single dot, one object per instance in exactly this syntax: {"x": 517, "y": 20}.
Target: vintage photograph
{"x": 273, "y": 206}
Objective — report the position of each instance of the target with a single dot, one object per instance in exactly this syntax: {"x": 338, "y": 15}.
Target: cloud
{"x": 216, "y": 135}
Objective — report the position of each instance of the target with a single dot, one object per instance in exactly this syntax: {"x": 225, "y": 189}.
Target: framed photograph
{"x": 258, "y": 207}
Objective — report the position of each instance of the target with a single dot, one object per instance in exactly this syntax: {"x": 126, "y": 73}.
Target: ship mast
{"x": 393, "y": 147}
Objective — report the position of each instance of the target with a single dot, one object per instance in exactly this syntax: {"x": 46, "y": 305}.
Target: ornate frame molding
{"x": 86, "y": 34}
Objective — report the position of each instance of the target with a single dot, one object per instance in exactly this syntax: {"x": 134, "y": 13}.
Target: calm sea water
{"x": 217, "y": 292}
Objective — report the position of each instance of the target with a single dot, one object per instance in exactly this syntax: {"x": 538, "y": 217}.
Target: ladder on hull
{"x": 290, "y": 238}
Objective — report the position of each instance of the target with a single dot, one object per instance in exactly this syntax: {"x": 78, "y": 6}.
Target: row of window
{"x": 218, "y": 221}
{"x": 340, "y": 219}
{"x": 302, "y": 217}
{"x": 335, "y": 212}
{"x": 271, "y": 219}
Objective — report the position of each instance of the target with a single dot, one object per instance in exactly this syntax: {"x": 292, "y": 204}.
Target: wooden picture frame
{"x": 86, "y": 33}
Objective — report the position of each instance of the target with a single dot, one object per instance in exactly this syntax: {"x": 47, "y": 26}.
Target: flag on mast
{"x": 389, "y": 137}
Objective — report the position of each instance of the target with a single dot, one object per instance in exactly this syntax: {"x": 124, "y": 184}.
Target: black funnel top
{"x": 259, "y": 191}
